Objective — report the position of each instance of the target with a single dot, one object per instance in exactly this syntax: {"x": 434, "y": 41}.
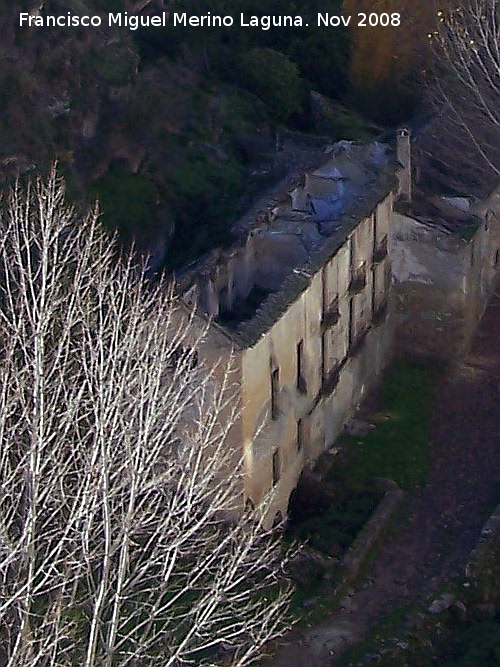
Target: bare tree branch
{"x": 467, "y": 88}
{"x": 115, "y": 543}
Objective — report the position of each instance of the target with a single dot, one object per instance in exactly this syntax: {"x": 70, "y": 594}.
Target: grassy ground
{"x": 328, "y": 514}
{"x": 398, "y": 447}
{"x": 403, "y": 410}
{"x": 443, "y": 640}
{"x": 479, "y": 646}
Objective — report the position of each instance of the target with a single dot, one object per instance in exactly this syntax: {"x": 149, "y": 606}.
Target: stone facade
{"x": 303, "y": 378}
{"x": 300, "y": 304}
{"x": 446, "y": 265}
{"x": 322, "y": 288}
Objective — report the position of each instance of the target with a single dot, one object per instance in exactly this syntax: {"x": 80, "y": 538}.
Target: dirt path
{"x": 444, "y": 519}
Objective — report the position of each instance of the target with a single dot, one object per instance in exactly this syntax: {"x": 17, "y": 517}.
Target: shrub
{"x": 274, "y": 78}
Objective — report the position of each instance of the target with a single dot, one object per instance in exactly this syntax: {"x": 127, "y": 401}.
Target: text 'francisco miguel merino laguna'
{"x": 133, "y": 21}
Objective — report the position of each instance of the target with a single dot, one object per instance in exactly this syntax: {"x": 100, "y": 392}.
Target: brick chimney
{"x": 403, "y": 154}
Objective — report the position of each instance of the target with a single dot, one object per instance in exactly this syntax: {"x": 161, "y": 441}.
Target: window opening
{"x": 300, "y": 435}
{"x": 324, "y": 348}
{"x": 276, "y": 467}
{"x": 351, "y": 322}
{"x": 275, "y": 381}
{"x": 182, "y": 358}
{"x": 300, "y": 381}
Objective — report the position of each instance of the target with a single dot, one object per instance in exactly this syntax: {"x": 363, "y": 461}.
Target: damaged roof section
{"x": 452, "y": 215}
{"x": 448, "y": 161}
{"x": 451, "y": 178}
{"x": 249, "y": 285}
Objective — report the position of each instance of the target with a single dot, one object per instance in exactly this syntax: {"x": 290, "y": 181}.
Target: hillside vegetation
{"x": 171, "y": 128}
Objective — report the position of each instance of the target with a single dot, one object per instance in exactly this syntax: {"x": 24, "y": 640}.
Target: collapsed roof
{"x": 247, "y": 286}
{"x": 450, "y": 175}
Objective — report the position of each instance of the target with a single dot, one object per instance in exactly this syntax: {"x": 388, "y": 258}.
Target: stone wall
{"x": 441, "y": 284}
{"x": 304, "y": 377}
{"x": 218, "y": 371}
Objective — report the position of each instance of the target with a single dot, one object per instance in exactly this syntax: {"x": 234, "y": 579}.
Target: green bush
{"x": 114, "y": 63}
{"x": 480, "y": 646}
{"x": 203, "y": 197}
{"x": 329, "y": 516}
{"x": 128, "y": 201}
{"x": 274, "y": 78}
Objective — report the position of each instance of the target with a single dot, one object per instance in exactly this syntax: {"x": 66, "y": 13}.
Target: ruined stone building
{"x": 301, "y": 302}
{"x": 355, "y": 262}
{"x": 445, "y": 247}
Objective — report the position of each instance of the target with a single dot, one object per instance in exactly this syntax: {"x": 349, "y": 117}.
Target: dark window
{"x": 330, "y": 382}
{"x": 351, "y": 322}
{"x": 249, "y": 506}
{"x": 489, "y": 215}
{"x": 275, "y": 387}
{"x": 276, "y": 467}
{"x": 331, "y": 315}
{"x": 324, "y": 349}
{"x": 374, "y": 292}
{"x": 324, "y": 287}
{"x": 358, "y": 280}
{"x": 380, "y": 313}
{"x": 380, "y": 252}
{"x": 387, "y": 277}
{"x": 301, "y": 381}
{"x": 183, "y": 359}
{"x": 359, "y": 341}
{"x": 300, "y": 435}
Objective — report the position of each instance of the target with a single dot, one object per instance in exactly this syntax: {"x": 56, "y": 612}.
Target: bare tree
{"x": 467, "y": 43}
{"x": 115, "y": 547}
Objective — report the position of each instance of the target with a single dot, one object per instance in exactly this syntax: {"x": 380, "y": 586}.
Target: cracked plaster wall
{"x": 325, "y": 350}
{"x": 441, "y": 284}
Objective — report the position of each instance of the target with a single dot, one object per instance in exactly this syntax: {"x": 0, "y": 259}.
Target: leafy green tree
{"x": 274, "y": 78}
